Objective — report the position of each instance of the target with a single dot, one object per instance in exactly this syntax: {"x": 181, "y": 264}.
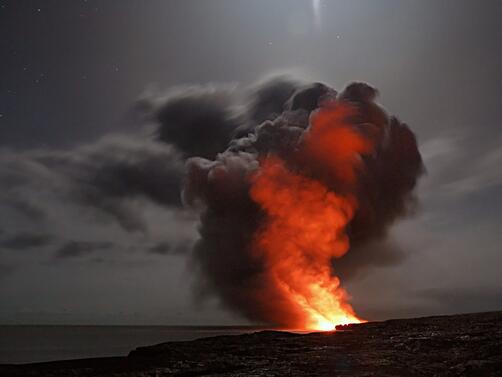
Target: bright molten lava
{"x": 306, "y": 221}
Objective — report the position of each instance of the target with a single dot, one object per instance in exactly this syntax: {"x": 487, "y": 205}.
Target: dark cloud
{"x": 24, "y": 241}
{"x": 224, "y": 258}
{"x": 110, "y": 175}
{"x": 170, "y": 248}
{"x": 22, "y": 181}
{"x": 461, "y": 299}
{"x": 308, "y": 97}
{"x": 363, "y": 256}
{"x": 162, "y": 248}
{"x": 267, "y": 99}
{"x": 26, "y": 208}
{"x": 75, "y": 249}
{"x": 5, "y": 270}
{"x": 199, "y": 121}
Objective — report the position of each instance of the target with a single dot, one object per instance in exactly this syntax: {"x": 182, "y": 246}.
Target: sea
{"x": 32, "y": 344}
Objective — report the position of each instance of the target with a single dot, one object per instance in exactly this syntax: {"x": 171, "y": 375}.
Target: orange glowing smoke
{"x": 307, "y": 220}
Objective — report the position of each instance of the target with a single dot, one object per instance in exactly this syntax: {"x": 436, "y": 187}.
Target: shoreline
{"x": 466, "y": 344}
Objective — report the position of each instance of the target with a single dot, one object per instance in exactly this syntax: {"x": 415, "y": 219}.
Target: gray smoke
{"x": 207, "y": 142}
{"x": 223, "y": 258}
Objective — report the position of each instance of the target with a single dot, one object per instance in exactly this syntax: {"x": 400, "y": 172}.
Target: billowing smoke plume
{"x": 289, "y": 136}
{"x": 293, "y": 181}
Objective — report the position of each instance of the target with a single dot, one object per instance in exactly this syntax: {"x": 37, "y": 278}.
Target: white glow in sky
{"x": 316, "y": 5}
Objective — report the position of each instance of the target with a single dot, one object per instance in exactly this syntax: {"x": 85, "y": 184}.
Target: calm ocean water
{"x": 29, "y": 344}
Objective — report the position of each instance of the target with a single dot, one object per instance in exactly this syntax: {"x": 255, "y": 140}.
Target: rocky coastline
{"x": 458, "y": 345}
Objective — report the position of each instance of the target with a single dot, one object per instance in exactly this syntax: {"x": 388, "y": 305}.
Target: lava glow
{"x": 306, "y": 223}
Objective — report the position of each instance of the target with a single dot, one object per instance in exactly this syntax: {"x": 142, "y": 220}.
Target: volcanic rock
{"x": 459, "y": 345}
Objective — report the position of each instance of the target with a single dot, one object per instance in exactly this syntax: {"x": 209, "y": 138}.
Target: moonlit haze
{"x": 316, "y": 5}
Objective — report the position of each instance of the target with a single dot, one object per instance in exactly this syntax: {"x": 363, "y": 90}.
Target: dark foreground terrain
{"x": 460, "y": 345}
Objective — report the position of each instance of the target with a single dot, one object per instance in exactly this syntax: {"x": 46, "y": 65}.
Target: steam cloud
{"x": 223, "y": 257}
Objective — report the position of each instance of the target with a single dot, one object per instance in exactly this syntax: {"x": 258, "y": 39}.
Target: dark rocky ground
{"x": 459, "y": 345}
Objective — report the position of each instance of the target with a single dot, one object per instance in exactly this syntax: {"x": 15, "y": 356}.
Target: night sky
{"x": 72, "y": 73}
